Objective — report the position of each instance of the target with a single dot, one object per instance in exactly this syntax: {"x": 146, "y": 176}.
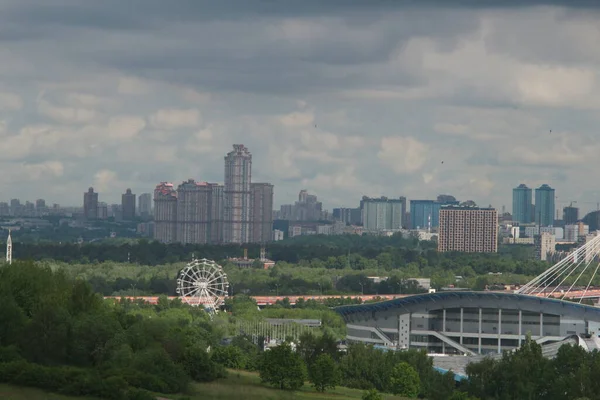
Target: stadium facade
{"x": 468, "y": 323}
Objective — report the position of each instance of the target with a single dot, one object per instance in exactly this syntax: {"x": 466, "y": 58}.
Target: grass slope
{"x": 238, "y": 385}
{"x": 247, "y": 385}
{"x": 9, "y": 392}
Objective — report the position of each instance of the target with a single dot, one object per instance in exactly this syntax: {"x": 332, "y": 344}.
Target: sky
{"x": 343, "y": 98}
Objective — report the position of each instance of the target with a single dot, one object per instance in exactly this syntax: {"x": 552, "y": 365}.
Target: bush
{"x": 229, "y": 357}
{"x": 199, "y": 366}
{"x": 372, "y": 394}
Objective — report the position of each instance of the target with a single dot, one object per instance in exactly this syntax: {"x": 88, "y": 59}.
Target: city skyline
{"x": 338, "y": 99}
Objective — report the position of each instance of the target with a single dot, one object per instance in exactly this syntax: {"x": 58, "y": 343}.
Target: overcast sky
{"x": 343, "y": 98}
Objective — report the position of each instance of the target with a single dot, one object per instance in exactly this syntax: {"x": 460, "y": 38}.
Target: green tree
{"x": 282, "y": 368}
{"x": 405, "y": 380}
{"x": 324, "y": 373}
{"x": 372, "y": 394}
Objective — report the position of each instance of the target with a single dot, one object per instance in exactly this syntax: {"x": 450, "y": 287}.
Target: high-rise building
{"x": 145, "y": 205}
{"x": 424, "y": 213}
{"x": 383, "y": 213}
{"x": 350, "y": 216}
{"x": 261, "y": 214}
{"x": 237, "y": 194}
{"x": 468, "y": 229}
{"x": 544, "y": 206}
{"x": 128, "y": 205}
{"x": 307, "y": 208}
{"x": 570, "y": 215}
{"x": 90, "y": 204}
{"x": 165, "y": 213}
{"x": 195, "y": 212}
{"x": 216, "y": 227}
{"x": 102, "y": 210}
{"x": 522, "y": 210}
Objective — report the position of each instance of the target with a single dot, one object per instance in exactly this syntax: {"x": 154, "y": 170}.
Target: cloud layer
{"x": 342, "y": 98}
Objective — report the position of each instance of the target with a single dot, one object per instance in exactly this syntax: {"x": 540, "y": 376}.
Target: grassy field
{"x": 238, "y": 385}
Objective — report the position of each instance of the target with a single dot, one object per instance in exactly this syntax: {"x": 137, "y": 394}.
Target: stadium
{"x": 470, "y": 323}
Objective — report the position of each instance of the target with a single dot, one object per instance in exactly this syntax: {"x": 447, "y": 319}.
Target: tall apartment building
{"x": 90, "y": 204}
{"x": 544, "y": 206}
{"x": 522, "y": 206}
{"x": 197, "y": 205}
{"x": 145, "y": 205}
{"x": 165, "y": 213}
{"x": 468, "y": 229}
{"x": 237, "y": 194}
{"x": 128, "y": 205}
{"x": 261, "y": 214}
{"x": 383, "y": 213}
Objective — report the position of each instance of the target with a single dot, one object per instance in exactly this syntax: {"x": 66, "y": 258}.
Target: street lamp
{"x": 362, "y": 287}
{"x": 277, "y": 289}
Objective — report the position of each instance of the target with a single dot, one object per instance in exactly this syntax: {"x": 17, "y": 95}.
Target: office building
{"x": 128, "y": 205}
{"x": 90, "y": 204}
{"x": 381, "y": 214}
{"x": 522, "y": 210}
{"x": 165, "y": 213}
{"x": 237, "y": 194}
{"x": 145, "y": 205}
{"x": 424, "y": 214}
{"x": 544, "y": 206}
{"x": 468, "y": 229}
{"x": 261, "y": 214}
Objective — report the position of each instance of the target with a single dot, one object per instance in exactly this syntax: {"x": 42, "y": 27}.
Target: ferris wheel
{"x": 203, "y": 282}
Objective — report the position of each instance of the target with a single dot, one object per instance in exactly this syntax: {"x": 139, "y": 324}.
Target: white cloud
{"x": 133, "y": 86}
{"x": 10, "y": 101}
{"x": 125, "y": 127}
{"x": 66, "y": 115}
{"x": 403, "y": 154}
{"x": 175, "y": 118}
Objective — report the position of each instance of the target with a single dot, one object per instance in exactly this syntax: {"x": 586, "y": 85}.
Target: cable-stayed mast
{"x": 571, "y": 277}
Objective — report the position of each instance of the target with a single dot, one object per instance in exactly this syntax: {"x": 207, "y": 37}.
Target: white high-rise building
{"x": 237, "y": 195}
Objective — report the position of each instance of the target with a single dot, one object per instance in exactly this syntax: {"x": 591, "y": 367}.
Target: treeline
{"x": 527, "y": 374}
{"x": 58, "y": 335}
{"x": 319, "y": 360}
{"x": 332, "y": 252}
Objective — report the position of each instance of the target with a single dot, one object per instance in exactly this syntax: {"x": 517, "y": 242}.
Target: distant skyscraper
{"x": 237, "y": 194}
{"x": 128, "y": 205}
{"x": 145, "y": 205}
{"x": 165, "y": 213}
{"x": 423, "y": 211}
{"x": 195, "y": 203}
{"x": 544, "y": 206}
{"x": 383, "y": 213}
{"x": 261, "y": 214}
{"x": 468, "y": 229}
{"x": 570, "y": 215}
{"x": 90, "y": 204}
{"x": 522, "y": 210}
